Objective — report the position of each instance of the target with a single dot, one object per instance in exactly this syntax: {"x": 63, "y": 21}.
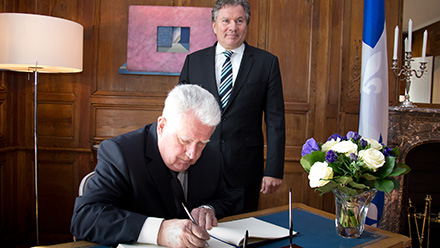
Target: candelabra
{"x": 405, "y": 73}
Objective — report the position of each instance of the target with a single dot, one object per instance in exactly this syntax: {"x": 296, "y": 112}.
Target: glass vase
{"x": 351, "y": 212}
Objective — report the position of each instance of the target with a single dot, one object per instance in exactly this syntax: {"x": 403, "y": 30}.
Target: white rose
{"x": 372, "y": 158}
{"x": 345, "y": 147}
{"x": 373, "y": 143}
{"x": 329, "y": 144}
{"x": 319, "y": 173}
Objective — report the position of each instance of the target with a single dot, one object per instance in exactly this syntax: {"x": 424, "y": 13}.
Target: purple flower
{"x": 331, "y": 156}
{"x": 309, "y": 147}
{"x": 353, "y": 157}
{"x": 353, "y": 135}
{"x": 387, "y": 151}
{"x": 364, "y": 143}
{"x": 335, "y": 137}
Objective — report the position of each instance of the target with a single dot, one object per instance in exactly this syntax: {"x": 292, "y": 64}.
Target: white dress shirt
{"x": 237, "y": 55}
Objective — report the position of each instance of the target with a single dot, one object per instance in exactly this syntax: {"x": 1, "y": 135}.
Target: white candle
{"x": 409, "y": 35}
{"x": 425, "y": 40}
{"x": 396, "y": 40}
{"x": 406, "y": 44}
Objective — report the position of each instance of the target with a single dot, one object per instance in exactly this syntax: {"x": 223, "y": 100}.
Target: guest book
{"x": 231, "y": 233}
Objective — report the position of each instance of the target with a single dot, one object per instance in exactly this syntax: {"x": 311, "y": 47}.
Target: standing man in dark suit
{"x": 136, "y": 193}
{"x": 249, "y": 94}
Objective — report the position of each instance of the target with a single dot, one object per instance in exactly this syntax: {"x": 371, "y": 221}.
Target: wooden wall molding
{"x": 110, "y": 121}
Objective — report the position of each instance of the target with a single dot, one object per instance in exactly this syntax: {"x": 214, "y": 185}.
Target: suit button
{"x": 222, "y": 141}
{"x": 224, "y": 118}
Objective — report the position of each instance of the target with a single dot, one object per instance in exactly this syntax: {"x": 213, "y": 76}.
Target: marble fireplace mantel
{"x": 411, "y": 127}
{"x": 407, "y": 128}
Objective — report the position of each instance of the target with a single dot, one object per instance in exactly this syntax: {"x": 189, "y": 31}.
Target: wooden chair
{"x": 82, "y": 185}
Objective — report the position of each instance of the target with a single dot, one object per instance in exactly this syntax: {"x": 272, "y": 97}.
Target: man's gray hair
{"x": 222, "y": 3}
{"x": 190, "y": 97}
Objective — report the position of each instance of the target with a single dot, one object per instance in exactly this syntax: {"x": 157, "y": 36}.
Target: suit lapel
{"x": 211, "y": 82}
{"x": 159, "y": 172}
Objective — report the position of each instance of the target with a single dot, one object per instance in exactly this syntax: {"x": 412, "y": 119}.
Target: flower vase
{"x": 351, "y": 212}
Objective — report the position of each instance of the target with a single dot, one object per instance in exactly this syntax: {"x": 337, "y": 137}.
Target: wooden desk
{"x": 389, "y": 239}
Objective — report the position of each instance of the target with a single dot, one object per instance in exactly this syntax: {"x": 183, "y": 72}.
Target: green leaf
{"x": 368, "y": 176}
{"x": 358, "y": 186}
{"x": 395, "y": 151}
{"x": 348, "y": 190}
{"x": 397, "y": 171}
{"x": 328, "y": 187}
{"x": 387, "y": 168}
{"x": 400, "y": 169}
{"x": 396, "y": 183}
{"x": 343, "y": 180}
{"x": 385, "y": 185}
{"x": 306, "y": 162}
{"x": 317, "y": 156}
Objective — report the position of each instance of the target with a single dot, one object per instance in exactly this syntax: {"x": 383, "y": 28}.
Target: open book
{"x": 231, "y": 233}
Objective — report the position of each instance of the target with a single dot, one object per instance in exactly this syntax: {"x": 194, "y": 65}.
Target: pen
{"x": 189, "y": 214}
{"x": 245, "y": 241}
{"x": 290, "y": 218}
{"x": 191, "y": 218}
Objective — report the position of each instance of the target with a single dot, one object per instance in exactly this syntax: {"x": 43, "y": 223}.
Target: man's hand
{"x": 204, "y": 217}
{"x": 181, "y": 233}
{"x": 270, "y": 185}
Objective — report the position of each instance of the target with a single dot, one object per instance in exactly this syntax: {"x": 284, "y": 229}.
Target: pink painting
{"x": 143, "y": 52}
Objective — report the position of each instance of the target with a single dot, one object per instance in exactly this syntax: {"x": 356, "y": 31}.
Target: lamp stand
{"x": 37, "y": 225}
{"x": 56, "y": 46}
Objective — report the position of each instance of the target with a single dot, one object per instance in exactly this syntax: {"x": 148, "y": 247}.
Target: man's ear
{"x": 161, "y": 123}
{"x": 213, "y": 27}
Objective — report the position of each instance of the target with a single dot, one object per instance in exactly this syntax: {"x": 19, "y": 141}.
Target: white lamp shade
{"x": 50, "y": 44}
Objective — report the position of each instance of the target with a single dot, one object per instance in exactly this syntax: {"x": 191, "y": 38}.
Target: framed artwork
{"x": 160, "y": 37}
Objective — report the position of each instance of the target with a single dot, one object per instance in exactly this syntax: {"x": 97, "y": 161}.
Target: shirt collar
{"x": 238, "y": 50}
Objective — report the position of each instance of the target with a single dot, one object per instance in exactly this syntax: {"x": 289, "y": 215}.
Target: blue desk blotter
{"x": 315, "y": 231}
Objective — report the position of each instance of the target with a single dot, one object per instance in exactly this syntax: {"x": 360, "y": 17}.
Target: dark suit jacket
{"x": 239, "y": 136}
{"x": 132, "y": 183}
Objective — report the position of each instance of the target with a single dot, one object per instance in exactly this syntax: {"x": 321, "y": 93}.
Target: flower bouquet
{"x": 354, "y": 168}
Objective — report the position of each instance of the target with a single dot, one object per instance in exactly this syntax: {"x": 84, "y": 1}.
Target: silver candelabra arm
{"x": 405, "y": 74}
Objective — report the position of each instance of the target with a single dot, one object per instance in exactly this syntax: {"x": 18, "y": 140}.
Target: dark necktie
{"x": 179, "y": 196}
{"x": 226, "y": 79}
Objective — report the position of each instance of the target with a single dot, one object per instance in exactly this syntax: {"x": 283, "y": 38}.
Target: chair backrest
{"x": 82, "y": 185}
{"x": 82, "y": 188}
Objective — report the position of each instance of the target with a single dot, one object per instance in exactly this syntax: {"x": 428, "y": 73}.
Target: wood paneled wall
{"x": 433, "y": 44}
{"x": 318, "y": 43}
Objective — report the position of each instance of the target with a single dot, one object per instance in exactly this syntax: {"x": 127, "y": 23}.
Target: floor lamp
{"x": 39, "y": 44}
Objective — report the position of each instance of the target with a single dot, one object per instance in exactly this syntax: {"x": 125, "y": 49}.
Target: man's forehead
{"x": 189, "y": 138}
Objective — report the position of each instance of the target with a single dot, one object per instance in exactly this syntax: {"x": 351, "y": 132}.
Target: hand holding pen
{"x": 191, "y": 218}
{"x": 205, "y": 217}
{"x": 181, "y": 233}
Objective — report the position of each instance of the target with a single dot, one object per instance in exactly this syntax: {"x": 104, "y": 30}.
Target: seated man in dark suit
{"x": 132, "y": 197}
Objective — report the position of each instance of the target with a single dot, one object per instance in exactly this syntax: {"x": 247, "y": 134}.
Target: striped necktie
{"x": 226, "y": 79}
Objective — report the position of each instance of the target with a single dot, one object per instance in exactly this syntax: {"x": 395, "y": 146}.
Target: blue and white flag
{"x": 373, "y": 112}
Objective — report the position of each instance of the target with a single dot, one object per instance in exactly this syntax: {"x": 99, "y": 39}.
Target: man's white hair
{"x": 190, "y": 97}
